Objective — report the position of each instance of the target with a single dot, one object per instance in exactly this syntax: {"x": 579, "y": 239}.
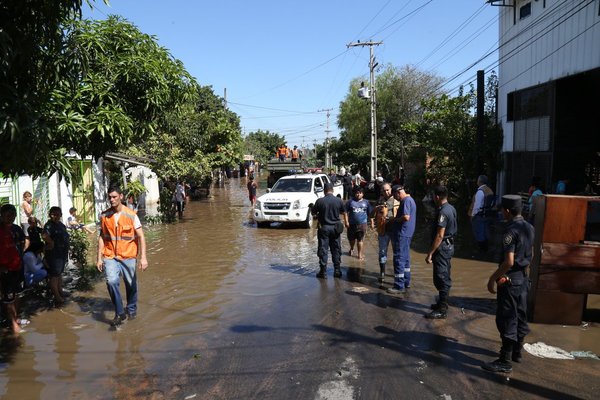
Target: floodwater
{"x": 229, "y": 311}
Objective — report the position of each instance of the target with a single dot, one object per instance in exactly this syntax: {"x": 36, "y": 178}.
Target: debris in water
{"x": 359, "y": 289}
{"x": 584, "y": 354}
{"x": 446, "y": 397}
{"x": 542, "y": 350}
{"x": 191, "y": 396}
{"x": 462, "y": 310}
{"x": 196, "y": 355}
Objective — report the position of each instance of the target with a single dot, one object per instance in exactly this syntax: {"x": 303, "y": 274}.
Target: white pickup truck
{"x": 292, "y": 198}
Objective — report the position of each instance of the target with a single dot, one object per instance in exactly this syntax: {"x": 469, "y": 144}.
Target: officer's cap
{"x": 511, "y": 201}
{"x": 397, "y": 188}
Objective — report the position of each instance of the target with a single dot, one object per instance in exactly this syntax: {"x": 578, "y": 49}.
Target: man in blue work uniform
{"x": 513, "y": 285}
{"x": 441, "y": 251}
{"x": 403, "y": 229}
{"x": 331, "y": 214}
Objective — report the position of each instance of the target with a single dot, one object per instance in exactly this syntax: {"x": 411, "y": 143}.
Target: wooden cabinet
{"x": 566, "y": 264}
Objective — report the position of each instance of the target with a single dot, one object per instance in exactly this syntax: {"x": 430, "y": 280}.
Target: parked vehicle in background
{"x": 292, "y": 198}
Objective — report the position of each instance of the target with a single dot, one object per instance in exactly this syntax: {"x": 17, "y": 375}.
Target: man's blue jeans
{"x": 113, "y": 269}
{"x": 384, "y": 243}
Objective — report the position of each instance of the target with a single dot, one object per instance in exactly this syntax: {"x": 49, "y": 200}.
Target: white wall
{"x": 559, "y": 40}
{"x": 150, "y": 181}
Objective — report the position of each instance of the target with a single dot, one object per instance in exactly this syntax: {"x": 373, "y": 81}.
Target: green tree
{"x": 262, "y": 144}
{"x": 32, "y": 63}
{"x": 447, "y": 135}
{"x": 128, "y": 86}
{"x": 200, "y": 137}
{"x": 399, "y": 93}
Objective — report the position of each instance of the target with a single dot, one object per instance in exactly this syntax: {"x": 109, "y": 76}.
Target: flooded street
{"x": 229, "y": 311}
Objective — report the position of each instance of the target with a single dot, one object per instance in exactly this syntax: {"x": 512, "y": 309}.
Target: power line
{"x": 452, "y": 35}
{"x": 517, "y": 49}
{"x": 466, "y": 42}
{"x": 372, "y": 19}
{"x": 520, "y": 47}
{"x": 406, "y": 17}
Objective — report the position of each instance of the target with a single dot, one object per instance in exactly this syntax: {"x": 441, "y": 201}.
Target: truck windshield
{"x": 292, "y": 185}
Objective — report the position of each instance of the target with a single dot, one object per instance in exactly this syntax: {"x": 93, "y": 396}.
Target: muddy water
{"x": 211, "y": 277}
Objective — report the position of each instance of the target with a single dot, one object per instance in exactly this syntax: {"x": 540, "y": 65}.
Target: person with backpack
{"x": 481, "y": 205}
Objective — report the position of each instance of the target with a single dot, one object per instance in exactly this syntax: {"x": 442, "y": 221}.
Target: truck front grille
{"x": 276, "y": 206}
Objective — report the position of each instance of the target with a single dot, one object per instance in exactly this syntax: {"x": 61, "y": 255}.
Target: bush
{"x": 78, "y": 253}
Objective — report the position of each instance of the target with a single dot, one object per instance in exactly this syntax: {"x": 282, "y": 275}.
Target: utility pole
{"x": 327, "y": 157}
{"x": 373, "y": 101}
{"x": 480, "y": 122}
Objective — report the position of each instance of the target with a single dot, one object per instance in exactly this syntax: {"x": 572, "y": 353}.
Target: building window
{"x": 525, "y": 11}
{"x": 528, "y": 103}
{"x": 532, "y": 134}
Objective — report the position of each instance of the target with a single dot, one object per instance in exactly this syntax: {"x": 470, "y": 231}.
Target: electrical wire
{"x": 556, "y": 23}
{"x": 452, "y": 35}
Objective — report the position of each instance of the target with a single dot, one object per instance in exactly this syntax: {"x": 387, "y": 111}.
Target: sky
{"x": 281, "y": 64}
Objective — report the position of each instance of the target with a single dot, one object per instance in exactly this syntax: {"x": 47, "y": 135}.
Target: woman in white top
{"x": 26, "y": 210}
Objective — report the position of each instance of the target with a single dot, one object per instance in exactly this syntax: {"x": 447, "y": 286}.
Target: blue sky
{"x": 281, "y": 62}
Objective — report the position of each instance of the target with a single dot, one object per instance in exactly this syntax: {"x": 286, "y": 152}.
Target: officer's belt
{"x": 448, "y": 239}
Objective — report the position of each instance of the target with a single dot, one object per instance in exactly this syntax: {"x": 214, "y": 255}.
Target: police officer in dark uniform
{"x": 442, "y": 249}
{"x": 513, "y": 285}
{"x": 331, "y": 214}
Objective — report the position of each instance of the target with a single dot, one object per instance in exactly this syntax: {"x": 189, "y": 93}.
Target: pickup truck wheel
{"x": 308, "y": 222}
{"x": 263, "y": 224}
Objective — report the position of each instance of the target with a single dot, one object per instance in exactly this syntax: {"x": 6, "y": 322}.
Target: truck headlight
{"x": 296, "y": 204}
{"x": 257, "y": 205}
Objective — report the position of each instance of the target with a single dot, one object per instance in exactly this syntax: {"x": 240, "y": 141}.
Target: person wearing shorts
{"x": 358, "y": 210}
{"x": 252, "y": 186}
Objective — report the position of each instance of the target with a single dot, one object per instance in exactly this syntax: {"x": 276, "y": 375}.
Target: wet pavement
{"x": 229, "y": 311}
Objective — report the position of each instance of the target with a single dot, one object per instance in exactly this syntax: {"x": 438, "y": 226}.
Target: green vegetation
{"x": 102, "y": 86}
{"x": 421, "y": 127}
{"x": 262, "y": 144}
{"x": 79, "y": 254}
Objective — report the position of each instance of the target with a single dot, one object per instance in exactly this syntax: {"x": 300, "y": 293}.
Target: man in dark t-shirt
{"x": 331, "y": 214}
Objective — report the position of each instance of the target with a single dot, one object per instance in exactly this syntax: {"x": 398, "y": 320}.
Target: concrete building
{"x": 549, "y": 92}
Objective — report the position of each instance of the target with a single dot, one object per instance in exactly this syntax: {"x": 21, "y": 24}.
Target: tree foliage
{"x": 99, "y": 86}
{"x": 32, "y": 63}
{"x": 399, "y": 92}
{"x": 262, "y": 144}
{"x": 447, "y": 135}
{"x": 197, "y": 139}
{"x": 127, "y": 86}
